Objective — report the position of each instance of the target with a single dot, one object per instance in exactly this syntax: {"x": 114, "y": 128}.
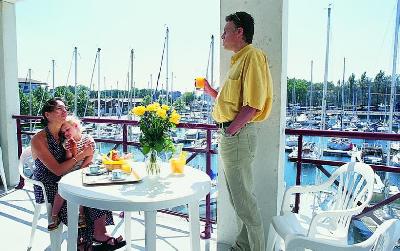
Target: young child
{"x": 75, "y": 141}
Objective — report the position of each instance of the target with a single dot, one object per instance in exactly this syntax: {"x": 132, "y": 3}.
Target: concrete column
{"x": 9, "y": 95}
{"x": 271, "y": 36}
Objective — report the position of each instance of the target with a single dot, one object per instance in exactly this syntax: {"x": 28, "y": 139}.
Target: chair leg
{"x": 55, "y": 238}
{"x": 272, "y": 236}
{"x": 36, "y": 215}
{"x": 3, "y": 175}
{"x": 55, "y": 235}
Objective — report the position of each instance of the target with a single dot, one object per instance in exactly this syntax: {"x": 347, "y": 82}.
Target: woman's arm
{"x": 68, "y": 154}
{"x": 87, "y": 161}
{"x": 41, "y": 151}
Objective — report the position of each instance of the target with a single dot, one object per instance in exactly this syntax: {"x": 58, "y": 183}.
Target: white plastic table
{"x": 149, "y": 195}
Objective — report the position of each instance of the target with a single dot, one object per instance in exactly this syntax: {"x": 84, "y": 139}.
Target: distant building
{"x": 24, "y": 84}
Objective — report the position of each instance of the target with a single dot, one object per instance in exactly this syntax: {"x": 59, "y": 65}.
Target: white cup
{"x": 94, "y": 169}
{"x": 116, "y": 174}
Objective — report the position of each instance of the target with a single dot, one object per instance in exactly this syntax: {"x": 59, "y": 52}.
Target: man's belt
{"x": 224, "y": 124}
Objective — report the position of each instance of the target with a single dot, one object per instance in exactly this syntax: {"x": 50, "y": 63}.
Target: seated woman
{"x": 51, "y": 164}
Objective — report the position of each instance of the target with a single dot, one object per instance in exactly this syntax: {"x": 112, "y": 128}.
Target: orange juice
{"x": 199, "y": 82}
{"x": 126, "y": 168}
{"x": 177, "y": 165}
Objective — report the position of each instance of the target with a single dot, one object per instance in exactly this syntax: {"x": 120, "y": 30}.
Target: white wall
{"x": 271, "y": 36}
{"x": 9, "y": 95}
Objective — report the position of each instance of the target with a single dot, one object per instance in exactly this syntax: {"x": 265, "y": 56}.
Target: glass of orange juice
{"x": 126, "y": 167}
{"x": 177, "y": 165}
{"x": 199, "y": 83}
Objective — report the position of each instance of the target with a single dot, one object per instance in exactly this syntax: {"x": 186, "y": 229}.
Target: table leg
{"x": 128, "y": 236}
{"x": 73, "y": 211}
{"x": 194, "y": 222}
{"x": 150, "y": 232}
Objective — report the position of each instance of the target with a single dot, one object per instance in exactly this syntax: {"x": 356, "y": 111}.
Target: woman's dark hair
{"x": 49, "y": 106}
{"x": 245, "y": 21}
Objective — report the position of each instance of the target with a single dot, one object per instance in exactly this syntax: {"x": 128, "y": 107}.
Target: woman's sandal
{"x": 106, "y": 246}
{"x": 85, "y": 245}
{"x": 55, "y": 221}
{"x": 81, "y": 221}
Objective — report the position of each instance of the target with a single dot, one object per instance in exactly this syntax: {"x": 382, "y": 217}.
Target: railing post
{"x": 125, "y": 138}
{"x": 207, "y": 226}
{"x": 19, "y": 137}
{"x": 298, "y": 171}
{"x": 21, "y": 182}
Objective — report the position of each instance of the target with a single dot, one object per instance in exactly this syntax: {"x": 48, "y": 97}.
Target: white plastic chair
{"x": 384, "y": 238}
{"x": 2, "y": 174}
{"x": 55, "y": 235}
{"x": 348, "y": 198}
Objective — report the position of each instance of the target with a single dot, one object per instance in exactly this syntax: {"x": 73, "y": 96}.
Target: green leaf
{"x": 145, "y": 149}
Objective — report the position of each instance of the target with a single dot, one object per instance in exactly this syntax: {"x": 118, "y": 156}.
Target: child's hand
{"x": 87, "y": 150}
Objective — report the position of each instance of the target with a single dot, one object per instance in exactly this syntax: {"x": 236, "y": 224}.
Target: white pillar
{"x": 9, "y": 104}
{"x": 270, "y": 35}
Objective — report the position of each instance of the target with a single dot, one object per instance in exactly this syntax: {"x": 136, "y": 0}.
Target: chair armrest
{"x": 301, "y": 190}
{"x": 332, "y": 214}
{"x": 296, "y": 242}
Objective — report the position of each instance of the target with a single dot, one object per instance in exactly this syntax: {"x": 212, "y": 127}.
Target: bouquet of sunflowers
{"x": 156, "y": 122}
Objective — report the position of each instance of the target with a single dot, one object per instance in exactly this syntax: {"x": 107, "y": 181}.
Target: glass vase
{"x": 153, "y": 163}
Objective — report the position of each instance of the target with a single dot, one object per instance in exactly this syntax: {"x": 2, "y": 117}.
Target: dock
{"x": 330, "y": 152}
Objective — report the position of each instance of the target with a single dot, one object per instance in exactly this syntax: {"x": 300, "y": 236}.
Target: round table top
{"x": 165, "y": 191}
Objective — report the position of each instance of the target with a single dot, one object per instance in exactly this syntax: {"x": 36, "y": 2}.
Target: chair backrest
{"x": 25, "y": 160}
{"x": 384, "y": 238}
{"x": 354, "y": 184}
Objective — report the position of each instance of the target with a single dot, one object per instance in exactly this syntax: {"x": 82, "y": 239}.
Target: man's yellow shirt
{"x": 248, "y": 83}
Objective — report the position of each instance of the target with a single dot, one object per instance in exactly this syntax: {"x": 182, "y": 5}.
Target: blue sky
{"x": 49, "y": 29}
{"x": 362, "y": 31}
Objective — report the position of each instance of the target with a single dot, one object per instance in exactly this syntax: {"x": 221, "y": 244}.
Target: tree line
{"x": 34, "y": 102}
{"x": 356, "y": 91}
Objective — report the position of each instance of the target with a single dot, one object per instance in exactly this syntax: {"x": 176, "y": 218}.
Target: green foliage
{"x": 179, "y": 104}
{"x": 146, "y": 100}
{"x": 355, "y": 91}
{"x": 23, "y": 103}
{"x": 188, "y": 97}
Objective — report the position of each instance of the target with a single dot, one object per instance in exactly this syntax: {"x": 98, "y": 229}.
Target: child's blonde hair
{"x": 72, "y": 120}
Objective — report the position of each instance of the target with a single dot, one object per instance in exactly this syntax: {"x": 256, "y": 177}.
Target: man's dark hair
{"x": 245, "y": 21}
{"x": 49, "y": 106}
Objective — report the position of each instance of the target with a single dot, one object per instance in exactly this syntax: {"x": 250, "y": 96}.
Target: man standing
{"x": 245, "y": 98}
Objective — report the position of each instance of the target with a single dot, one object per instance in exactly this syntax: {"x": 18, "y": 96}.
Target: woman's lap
{"x": 91, "y": 214}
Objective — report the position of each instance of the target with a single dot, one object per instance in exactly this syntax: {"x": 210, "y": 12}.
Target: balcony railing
{"x": 320, "y": 162}
{"x": 207, "y": 150}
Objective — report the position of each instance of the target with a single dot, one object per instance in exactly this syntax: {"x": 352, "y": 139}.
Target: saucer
{"x": 119, "y": 179}
{"x": 99, "y": 172}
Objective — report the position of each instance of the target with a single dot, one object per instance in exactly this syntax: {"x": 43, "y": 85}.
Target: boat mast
{"x": 118, "y": 109}
{"x": 53, "y": 64}
{"x": 105, "y": 95}
{"x": 209, "y": 100}
{"x": 98, "y": 83}
{"x": 326, "y": 70}
{"x": 76, "y": 81}
{"x": 132, "y": 84}
{"x": 166, "y": 65}
{"x": 172, "y": 87}
{"x": 344, "y": 71}
{"x": 30, "y": 97}
{"x": 394, "y": 65}
{"x": 311, "y": 84}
